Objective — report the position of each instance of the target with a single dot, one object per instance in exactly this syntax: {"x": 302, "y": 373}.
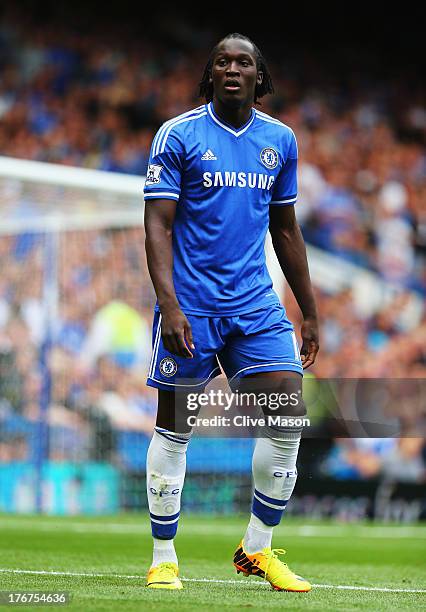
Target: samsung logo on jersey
{"x": 238, "y": 179}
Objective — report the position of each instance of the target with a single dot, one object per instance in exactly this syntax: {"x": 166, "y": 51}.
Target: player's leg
{"x": 274, "y": 458}
{"x": 165, "y": 470}
{"x": 274, "y": 476}
{"x": 166, "y": 459}
{"x": 265, "y": 359}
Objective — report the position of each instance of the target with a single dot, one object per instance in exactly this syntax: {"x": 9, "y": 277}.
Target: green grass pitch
{"x": 102, "y": 562}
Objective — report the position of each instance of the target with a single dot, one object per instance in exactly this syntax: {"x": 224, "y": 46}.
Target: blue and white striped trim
{"x": 155, "y": 348}
{"x": 164, "y": 520}
{"x": 163, "y": 134}
{"x": 164, "y": 527}
{"x": 295, "y": 346}
{"x": 266, "y": 365}
{"x": 198, "y": 384}
{"x": 226, "y": 127}
{"x": 170, "y": 435}
{"x": 156, "y": 143}
{"x": 169, "y": 129}
{"x": 269, "y": 119}
{"x": 264, "y": 117}
{"x": 289, "y": 200}
{"x": 268, "y": 512}
{"x": 271, "y": 502}
{"x": 168, "y": 195}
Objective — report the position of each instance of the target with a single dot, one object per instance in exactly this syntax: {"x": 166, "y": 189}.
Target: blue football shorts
{"x": 259, "y": 341}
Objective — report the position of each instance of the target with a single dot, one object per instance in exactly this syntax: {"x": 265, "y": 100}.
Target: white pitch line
{"x": 208, "y": 580}
{"x": 317, "y": 586}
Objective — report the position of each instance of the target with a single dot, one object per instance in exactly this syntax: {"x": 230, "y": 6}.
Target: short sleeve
{"x": 163, "y": 176}
{"x": 285, "y": 188}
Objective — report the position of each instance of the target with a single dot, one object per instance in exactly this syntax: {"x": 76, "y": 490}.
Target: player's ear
{"x": 259, "y": 78}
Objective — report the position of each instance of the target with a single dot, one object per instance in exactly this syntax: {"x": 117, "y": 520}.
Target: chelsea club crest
{"x": 269, "y": 158}
{"x": 168, "y": 367}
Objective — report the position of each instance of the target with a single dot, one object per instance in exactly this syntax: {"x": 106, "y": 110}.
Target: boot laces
{"x": 165, "y": 568}
{"x": 273, "y": 555}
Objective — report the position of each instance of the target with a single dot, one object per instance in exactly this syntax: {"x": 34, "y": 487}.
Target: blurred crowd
{"x": 96, "y": 101}
{"x": 100, "y": 341}
{"x": 402, "y": 459}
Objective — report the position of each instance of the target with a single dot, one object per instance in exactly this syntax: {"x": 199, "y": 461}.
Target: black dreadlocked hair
{"x": 266, "y": 86}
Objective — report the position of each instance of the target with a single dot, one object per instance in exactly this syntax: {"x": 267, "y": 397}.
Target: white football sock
{"x": 258, "y": 535}
{"x": 274, "y": 475}
{"x": 165, "y": 471}
{"x": 164, "y": 550}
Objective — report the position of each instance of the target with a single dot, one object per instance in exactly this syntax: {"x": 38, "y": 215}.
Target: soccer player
{"x": 218, "y": 177}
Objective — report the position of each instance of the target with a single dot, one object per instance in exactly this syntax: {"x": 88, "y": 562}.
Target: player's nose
{"x": 233, "y": 69}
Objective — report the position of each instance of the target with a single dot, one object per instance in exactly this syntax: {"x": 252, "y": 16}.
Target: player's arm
{"x": 291, "y": 253}
{"x": 175, "y": 327}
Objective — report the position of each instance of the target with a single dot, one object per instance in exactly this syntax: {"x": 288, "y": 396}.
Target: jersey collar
{"x": 226, "y": 126}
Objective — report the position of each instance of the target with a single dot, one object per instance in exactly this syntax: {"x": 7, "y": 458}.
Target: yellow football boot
{"x": 164, "y": 576}
{"x": 266, "y": 564}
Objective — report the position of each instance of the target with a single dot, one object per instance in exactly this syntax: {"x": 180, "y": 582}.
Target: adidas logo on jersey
{"x": 208, "y": 155}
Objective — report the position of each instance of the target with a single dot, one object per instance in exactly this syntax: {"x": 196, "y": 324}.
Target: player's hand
{"x": 176, "y": 333}
{"x": 310, "y": 338}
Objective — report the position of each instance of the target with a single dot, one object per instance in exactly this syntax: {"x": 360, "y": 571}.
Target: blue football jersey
{"x": 224, "y": 180}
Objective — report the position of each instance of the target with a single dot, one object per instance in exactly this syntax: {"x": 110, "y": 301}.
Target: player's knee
{"x": 297, "y": 408}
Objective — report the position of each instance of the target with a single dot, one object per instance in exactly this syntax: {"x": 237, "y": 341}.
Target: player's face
{"x": 234, "y": 72}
